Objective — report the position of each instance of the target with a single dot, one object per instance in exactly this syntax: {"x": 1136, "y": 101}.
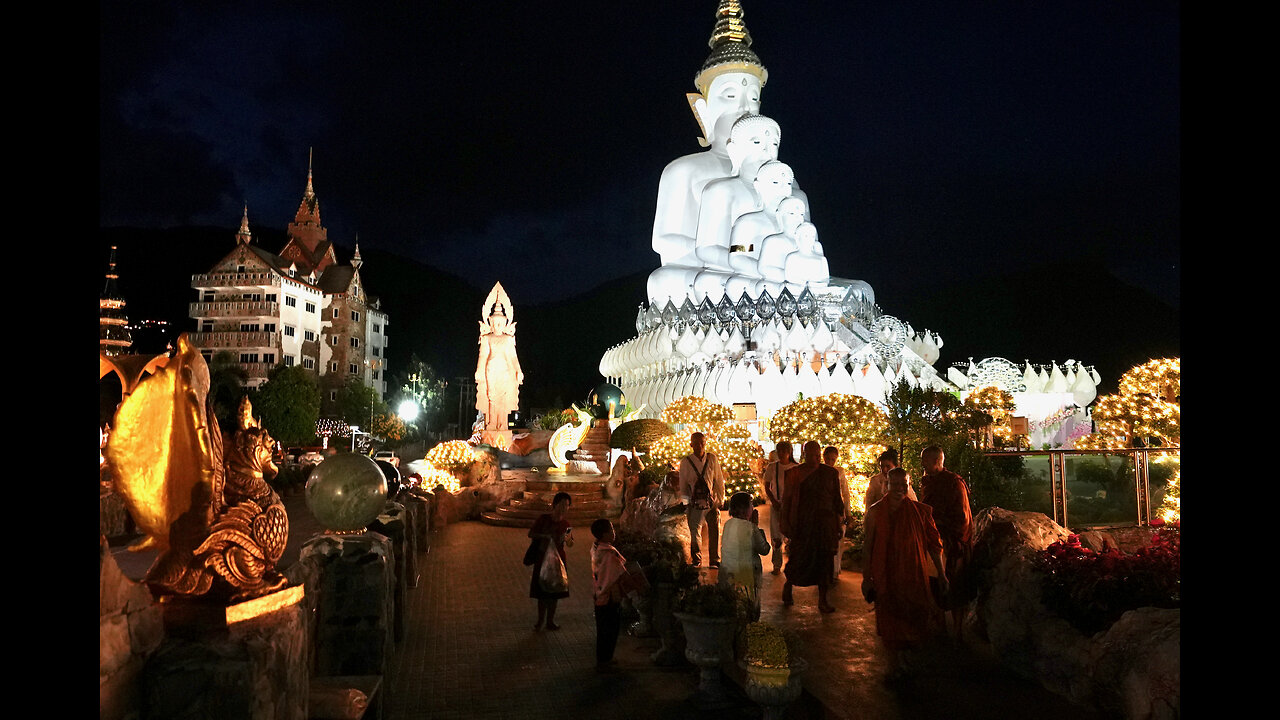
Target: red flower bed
{"x": 1091, "y": 590}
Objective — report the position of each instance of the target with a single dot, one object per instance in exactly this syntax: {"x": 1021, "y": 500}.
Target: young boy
{"x": 743, "y": 543}
{"x": 610, "y": 583}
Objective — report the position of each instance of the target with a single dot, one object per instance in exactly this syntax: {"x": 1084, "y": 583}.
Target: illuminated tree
{"x": 453, "y": 455}
{"x": 740, "y": 456}
{"x": 994, "y": 407}
{"x": 851, "y": 423}
{"x": 1146, "y": 411}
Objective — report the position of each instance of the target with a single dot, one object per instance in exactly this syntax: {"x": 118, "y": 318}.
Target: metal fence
{"x": 1078, "y": 488}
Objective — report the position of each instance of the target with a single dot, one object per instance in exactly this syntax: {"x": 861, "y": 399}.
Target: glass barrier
{"x": 1077, "y": 488}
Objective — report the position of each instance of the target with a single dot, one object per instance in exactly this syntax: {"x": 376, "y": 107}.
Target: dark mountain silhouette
{"x": 1056, "y": 312}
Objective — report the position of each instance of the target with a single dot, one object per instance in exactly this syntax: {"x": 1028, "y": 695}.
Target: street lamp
{"x": 408, "y": 411}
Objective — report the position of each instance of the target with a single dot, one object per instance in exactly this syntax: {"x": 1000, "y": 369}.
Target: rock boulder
{"x": 1130, "y": 670}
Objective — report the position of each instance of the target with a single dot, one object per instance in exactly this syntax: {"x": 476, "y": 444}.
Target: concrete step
{"x": 538, "y": 506}
{"x": 578, "y": 484}
{"x": 510, "y": 520}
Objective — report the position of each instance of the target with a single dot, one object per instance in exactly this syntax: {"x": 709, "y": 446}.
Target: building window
{"x": 248, "y": 357}
{"x": 375, "y": 374}
{"x": 333, "y": 340}
{"x": 269, "y": 358}
{"x": 311, "y": 307}
{"x": 355, "y": 342}
{"x": 355, "y": 368}
{"x": 206, "y": 326}
{"x": 268, "y": 327}
{"x": 377, "y": 327}
{"x": 308, "y": 335}
{"x": 249, "y": 327}
{"x": 271, "y": 297}
{"x": 288, "y": 331}
{"x": 208, "y": 296}
{"x": 288, "y": 361}
{"x": 376, "y": 351}
{"x": 335, "y": 313}
{"x": 333, "y": 366}
{"x": 256, "y": 297}
{"x": 239, "y": 268}
{"x": 207, "y": 355}
{"x": 290, "y": 301}
{"x": 333, "y": 396}
{"x": 308, "y": 363}
{"x": 355, "y": 316}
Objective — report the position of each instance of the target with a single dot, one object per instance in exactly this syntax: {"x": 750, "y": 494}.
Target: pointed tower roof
{"x": 308, "y": 243}
{"x": 309, "y": 209}
{"x": 244, "y": 235}
{"x": 356, "y": 262}
{"x": 730, "y": 48}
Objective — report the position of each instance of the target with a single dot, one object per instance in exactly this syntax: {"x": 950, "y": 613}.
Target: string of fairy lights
{"x": 1147, "y": 408}
{"x": 851, "y": 423}
{"x": 740, "y": 457}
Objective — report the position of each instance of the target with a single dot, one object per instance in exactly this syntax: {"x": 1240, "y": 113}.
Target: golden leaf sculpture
{"x": 216, "y": 522}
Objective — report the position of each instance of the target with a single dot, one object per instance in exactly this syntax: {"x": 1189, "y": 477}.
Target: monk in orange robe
{"x": 946, "y": 493}
{"x": 900, "y": 542}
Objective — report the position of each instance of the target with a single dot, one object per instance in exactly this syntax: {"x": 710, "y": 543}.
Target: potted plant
{"x": 662, "y": 560}
{"x": 772, "y": 666}
{"x": 709, "y": 615}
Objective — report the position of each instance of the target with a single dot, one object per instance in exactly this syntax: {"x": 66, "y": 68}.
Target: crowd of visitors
{"x": 916, "y": 551}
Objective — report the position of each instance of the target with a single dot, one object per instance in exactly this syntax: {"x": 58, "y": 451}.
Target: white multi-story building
{"x": 300, "y": 307}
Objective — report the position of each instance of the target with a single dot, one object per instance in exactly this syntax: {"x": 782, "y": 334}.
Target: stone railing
{"x": 236, "y": 339}
{"x": 233, "y": 308}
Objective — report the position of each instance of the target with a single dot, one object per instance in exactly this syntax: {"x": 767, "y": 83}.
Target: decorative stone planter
{"x": 664, "y": 623}
{"x": 774, "y": 689}
{"x": 708, "y": 646}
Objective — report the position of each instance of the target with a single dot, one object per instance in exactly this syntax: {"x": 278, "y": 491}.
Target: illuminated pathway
{"x": 469, "y": 650}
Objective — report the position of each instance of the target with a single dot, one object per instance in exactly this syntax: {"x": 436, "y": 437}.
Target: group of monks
{"x": 916, "y": 552}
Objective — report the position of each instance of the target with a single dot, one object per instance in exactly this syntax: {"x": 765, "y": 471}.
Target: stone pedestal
{"x": 355, "y": 610}
{"x": 395, "y": 523}
{"x": 247, "y": 660}
{"x": 419, "y": 506}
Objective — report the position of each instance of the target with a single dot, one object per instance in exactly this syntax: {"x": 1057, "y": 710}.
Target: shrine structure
{"x": 743, "y": 309}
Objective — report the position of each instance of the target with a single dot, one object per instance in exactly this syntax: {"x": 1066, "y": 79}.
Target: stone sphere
{"x": 346, "y": 492}
{"x": 598, "y": 400}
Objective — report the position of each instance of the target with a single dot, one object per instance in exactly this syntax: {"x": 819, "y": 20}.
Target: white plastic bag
{"x": 552, "y": 576}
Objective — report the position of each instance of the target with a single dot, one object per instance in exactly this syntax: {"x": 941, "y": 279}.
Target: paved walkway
{"x": 470, "y": 651}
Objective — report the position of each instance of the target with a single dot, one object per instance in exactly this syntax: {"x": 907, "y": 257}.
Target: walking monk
{"x": 901, "y": 539}
{"x": 814, "y": 516}
{"x": 946, "y": 493}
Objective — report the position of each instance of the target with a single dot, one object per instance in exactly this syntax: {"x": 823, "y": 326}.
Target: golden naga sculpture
{"x": 218, "y": 525}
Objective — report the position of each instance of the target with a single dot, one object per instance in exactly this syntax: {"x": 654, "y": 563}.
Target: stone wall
{"x": 130, "y": 630}
{"x": 1130, "y": 670}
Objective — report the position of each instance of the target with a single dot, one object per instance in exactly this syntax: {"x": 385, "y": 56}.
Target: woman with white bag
{"x": 550, "y": 581}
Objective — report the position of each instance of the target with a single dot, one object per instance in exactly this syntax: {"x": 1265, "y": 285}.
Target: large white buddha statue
{"x": 771, "y": 265}
{"x": 753, "y": 141}
{"x": 806, "y": 265}
{"x": 729, "y": 86}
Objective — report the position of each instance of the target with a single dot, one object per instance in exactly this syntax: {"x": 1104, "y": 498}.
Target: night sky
{"x": 522, "y": 142}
